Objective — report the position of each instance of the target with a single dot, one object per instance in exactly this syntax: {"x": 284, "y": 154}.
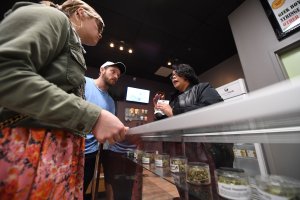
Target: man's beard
{"x": 108, "y": 82}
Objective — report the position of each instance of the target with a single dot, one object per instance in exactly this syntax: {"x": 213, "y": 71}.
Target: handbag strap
{"x": 12, "y": 120}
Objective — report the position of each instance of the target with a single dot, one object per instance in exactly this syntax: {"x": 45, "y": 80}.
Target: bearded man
{"x": 96, "y": 91}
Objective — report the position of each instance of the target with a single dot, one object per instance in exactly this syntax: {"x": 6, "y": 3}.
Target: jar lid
{"x": 201, "y": 164}
{"x": 149, "y": 152}
{"x": 163, "y": 154}
{"x": 178, "y": 157}
{"x": 237, "y": 170}
{"x": 230, "y": 172}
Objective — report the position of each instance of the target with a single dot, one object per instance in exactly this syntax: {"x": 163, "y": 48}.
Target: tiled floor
{"x": 155, "y": 187}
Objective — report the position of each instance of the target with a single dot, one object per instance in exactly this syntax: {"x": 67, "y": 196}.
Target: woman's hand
{"x": 157, "y": 97}
{"x": 166, "y": 108}
{"x": 109, "y": 127}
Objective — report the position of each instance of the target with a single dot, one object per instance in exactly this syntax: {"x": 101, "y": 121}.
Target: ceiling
{"x": 196, "y": 32}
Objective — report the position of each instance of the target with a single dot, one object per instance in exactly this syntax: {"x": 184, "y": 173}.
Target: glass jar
{"x": 197, "y": 173}
{"x": 138, "y": 154}
{"x": 148, "y": 158}
{"x": 275, "y": 187}
{"x": 178, "y": 164}
{"x": 200, "y": 192}
{"x": 239, "y": 150}
{"x": 130, "y": 154}
{"x": 162, "y": 160}
{"x": 250, "y": 150}
{"x": 179, "y": 179}
{"x": 232, "y": 183}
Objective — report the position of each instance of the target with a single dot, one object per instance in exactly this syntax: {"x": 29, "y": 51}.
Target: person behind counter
{"x": 43, "y": 116}
{"x": 190, "y": 94}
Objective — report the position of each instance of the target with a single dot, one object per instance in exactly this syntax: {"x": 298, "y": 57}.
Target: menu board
{"x": 284, "y": 16}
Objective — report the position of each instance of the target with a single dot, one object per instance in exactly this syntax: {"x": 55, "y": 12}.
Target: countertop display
{"x": 267, "y": 116}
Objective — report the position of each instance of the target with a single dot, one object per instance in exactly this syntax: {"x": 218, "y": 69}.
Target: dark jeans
{"x": 120, "y": 172}
{"x": 89, "y": 167}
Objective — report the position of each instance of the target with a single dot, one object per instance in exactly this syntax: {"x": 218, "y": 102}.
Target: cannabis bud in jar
{"x": 233, "y": 183}
{"x": 162, "y": 160}
{"x": 198, "y": 173}
{"x": 178, "y": 164}
{"x": 275, "y": 187}
{"x": 148, "y": 158}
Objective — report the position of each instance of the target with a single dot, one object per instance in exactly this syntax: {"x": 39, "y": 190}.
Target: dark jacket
{"x": 197, "y": 96}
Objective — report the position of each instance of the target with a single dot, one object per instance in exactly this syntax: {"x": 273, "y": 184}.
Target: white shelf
{"x": 270, "y": 115}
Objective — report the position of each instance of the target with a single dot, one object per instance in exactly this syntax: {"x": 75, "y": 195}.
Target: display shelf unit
{"x": 270, "y": 115}
{"x": 186, "y": 190}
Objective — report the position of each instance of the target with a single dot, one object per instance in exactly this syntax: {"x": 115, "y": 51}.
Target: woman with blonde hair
{"x": 43, "y": 116}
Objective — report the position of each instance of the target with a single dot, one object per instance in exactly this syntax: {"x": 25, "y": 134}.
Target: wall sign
{"x": 284, "y": 16}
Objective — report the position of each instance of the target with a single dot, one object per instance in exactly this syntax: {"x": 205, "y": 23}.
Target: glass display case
{"x": 223, "y": 149}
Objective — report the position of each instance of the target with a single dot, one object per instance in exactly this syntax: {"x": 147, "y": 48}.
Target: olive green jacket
{"x": 42, "y": 70}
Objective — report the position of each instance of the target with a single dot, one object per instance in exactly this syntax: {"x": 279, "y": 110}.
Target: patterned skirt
{"x": 40, "y": 164}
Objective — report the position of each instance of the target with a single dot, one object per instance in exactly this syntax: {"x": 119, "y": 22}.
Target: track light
{"x": 121, "y": 45}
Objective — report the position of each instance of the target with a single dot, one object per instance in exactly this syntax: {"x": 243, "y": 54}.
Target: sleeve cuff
{"x": 85, "y": 122}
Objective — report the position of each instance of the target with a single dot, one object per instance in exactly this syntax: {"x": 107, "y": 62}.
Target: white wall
{"x": 223, "y": 73}
{"x": 256, "y": 43}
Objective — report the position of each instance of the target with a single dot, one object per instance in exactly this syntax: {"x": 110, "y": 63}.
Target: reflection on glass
{"x": 199, "y": 192}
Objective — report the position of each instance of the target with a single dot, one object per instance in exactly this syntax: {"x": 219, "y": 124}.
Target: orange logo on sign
{"x": 277, "y": 4}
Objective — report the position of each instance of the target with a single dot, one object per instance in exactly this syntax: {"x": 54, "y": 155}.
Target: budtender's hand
{"x": 109, "y": 127}
{"x": 166, "y": 108}
{"x": 155, "y": 99}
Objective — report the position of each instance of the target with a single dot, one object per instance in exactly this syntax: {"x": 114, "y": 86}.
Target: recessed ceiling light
{"x": 112, "y": 45}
